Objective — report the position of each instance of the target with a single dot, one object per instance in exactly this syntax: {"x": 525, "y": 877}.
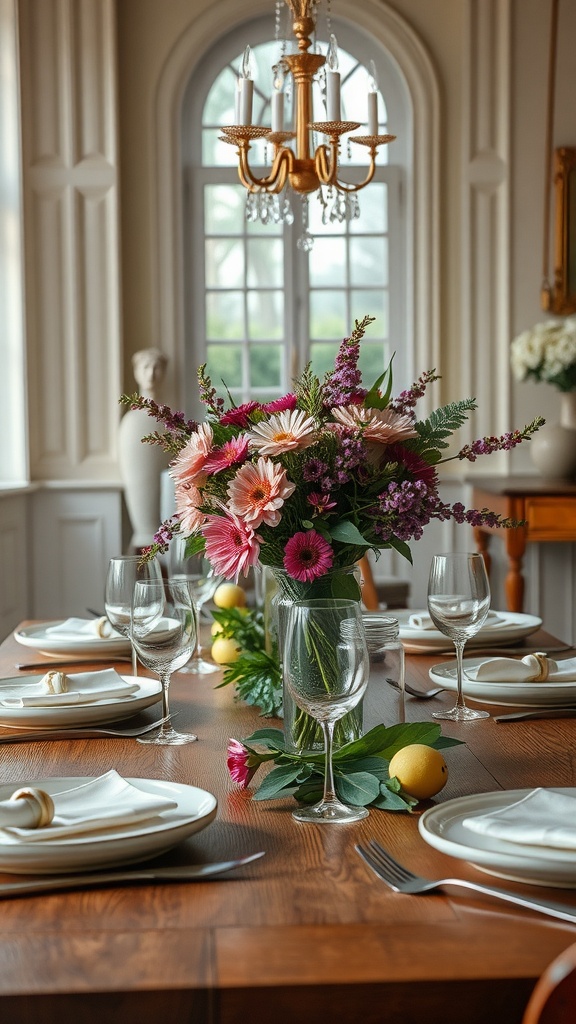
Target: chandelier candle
{"x": 246, "y": 86}
{"x": 333, "y": 82}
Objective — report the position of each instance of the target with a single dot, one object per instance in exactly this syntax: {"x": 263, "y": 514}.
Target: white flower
{"x": 547, "y": 352}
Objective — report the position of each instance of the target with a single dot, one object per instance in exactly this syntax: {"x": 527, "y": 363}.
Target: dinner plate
{"x": 113, "y": 709}
{"x": 124, "y": 844}
{"x": 441, "y": 826}
{"x": 514, "y": 626}
{"x": 510, "y": 694}
{"x": 36, "y": 636}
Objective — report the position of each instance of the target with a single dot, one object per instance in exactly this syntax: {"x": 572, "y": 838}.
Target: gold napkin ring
{"x": 543, "y": 667}
{"x": 41, "y": 802}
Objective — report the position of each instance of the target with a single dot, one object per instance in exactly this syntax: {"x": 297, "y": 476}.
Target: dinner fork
{"x": 82, "y": 733}
{"x": 400, "y": 879}
{"x": 415, "y": 691}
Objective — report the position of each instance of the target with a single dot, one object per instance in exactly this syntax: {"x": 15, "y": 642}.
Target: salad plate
{"x": 511, "y": 627}
{"x": 112, "y": 709}
{"x": 510, "y": 694}
{"x": 40, "y": 638}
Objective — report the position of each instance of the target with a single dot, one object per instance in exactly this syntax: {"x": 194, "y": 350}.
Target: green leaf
{"x": 402, "y": 548}
{"x": 358, "y": 788}
{"x": 277, "y": 780}
{"x": 307, "y": 524}
{"x": 272, "y": 738}
{"x": 376, "y": 766}
{"x": 389, "y": 801}
{"x": 345, "y": 532}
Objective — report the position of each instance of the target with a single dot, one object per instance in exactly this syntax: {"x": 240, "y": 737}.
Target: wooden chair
{"x": 553, "y": 1000}
{"x": 393, "y": 591}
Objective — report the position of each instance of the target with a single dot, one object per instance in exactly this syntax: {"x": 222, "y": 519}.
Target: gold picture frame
{"x": 562, "y": 299}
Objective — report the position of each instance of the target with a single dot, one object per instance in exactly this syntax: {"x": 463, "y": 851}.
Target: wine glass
{"x": 123, "y": 572}
{"x": 202, "y": 582}
{"x": 458, "y": 602}
{"x": 325, "y": 663}
{"x": 163, "y": 631}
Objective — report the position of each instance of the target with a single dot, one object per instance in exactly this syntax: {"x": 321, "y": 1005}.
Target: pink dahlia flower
{"x": 188, "y": 498}
{"x": 381, "y": 425}
{"x": 229, "y": 454}
{"x": 307, "y": 556}
{"x": 286, "y": 431}
{"x": 188, "y": 466}
{"x": 280, "y": 404}
{"x": 239, "y": 416}
{"x": 321, "y": 503}
{"x": 237, "y": 761}
{"x": 231, "y": 545}
{"x": 258, "y": 491}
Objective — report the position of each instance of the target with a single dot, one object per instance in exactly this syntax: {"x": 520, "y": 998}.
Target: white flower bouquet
{"x": 547, "y": 352}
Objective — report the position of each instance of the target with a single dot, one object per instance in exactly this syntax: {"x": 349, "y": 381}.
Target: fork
{"x": 416, "y": 691}
{"x": 400, "y": 879}
{"x": 71, "y": 734}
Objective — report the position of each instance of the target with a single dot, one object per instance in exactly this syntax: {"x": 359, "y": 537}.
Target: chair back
{"x": 553, "y": 1000}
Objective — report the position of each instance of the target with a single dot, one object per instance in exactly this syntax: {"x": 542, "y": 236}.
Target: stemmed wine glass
{"x": 202, "y": 582}
{"x": 123, "y": 572}
{"x": 325, "y": 663}
{"x": 458, "y": 602}
{"x": 163, "y": 631}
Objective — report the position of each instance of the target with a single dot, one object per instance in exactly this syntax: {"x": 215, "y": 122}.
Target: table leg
{"x": 482, "y": 541}
{"x": 514, "y": 584}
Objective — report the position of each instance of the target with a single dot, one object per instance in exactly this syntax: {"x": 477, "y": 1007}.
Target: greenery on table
{"x": 256, "y": 673}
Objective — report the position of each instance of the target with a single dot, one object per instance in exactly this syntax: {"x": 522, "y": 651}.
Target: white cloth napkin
{"x": 72, "y": 629}
{"x": 526, "y": 670}
{"x": 106, "y": 802}
{"x": 79, "y": 688}
{"x": 421, "y": 620}
{"x": 544, "y": 817}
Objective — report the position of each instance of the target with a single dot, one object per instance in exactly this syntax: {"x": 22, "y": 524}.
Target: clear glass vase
{"x": 301, "y": 732}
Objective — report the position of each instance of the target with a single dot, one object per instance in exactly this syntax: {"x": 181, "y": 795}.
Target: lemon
{"x": 229, "y": 595}
{"x": 216, "y": 628}
{"x": 225, "y": 651}
{"x": 420, "y": 770}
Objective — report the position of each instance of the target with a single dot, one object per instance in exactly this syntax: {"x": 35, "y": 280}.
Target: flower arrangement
{"x": 547, "y": 352}
{"x": 311, "y": 481}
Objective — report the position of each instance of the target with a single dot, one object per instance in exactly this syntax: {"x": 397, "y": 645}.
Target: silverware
{"x": 83, "y": 733}
{"x": 400, "y": 879}
{"x": 551, "y": 712}
{"x": 415, "y": 691}
{"x": 47, "y": 665}
{"x": 183, "y": 873}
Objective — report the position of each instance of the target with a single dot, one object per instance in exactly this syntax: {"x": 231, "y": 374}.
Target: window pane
{"x": 224, "y": 263}
{"x": 328, "y": 315}
{"x": 216, "y": 153}
{"x": 315, "y": 213}
{"x": 373, "y": 361}
{"x": 328, "y": 262}
{"x": 373, "y": 210}
{"x": 224, "y": 209}
{"x": 219, "y": 105}
{"x": 322, "y": 356}
{"x": 265, "y": 263}
{"x": 266, "y": 315}
{"x": 265, "y": 366}
{"x": 224, "y": 363}
{"x": 369, "y": 260}
{"x": 371, "y": 303}
{"x": 224, "y": 315}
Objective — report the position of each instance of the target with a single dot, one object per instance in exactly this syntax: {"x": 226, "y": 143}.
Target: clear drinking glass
{"x": 163, "y": 631}
{"x": 123, "y": 573}
{"x": 458, "y": 602}
{"x": 202, "y": 581}
{"x": 325, "y": 664}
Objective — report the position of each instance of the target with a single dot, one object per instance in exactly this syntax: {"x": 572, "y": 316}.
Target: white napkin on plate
{"x": 106, "y": 802}
{"x": 72, "y": 629}
{"x": 544, "y": 817}
{"x": 421, "y": 620}
{"x": 79, "y": 688}
{"x": 532, "y": 668}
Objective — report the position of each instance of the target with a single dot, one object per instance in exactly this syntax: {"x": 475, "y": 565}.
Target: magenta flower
{"x": 280, "y": 404}
{"x": 229, "y": 454}
{"x": 240, "y": 416}
{"x": 307, "y": 556}
{"x": 231, "y": 546}
{"x": 321, "y": 503}
{"x": 237, "y": 761}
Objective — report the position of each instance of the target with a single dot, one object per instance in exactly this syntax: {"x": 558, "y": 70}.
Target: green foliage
{"x": 255, "y": 674}
{"x": 439, "y": 426}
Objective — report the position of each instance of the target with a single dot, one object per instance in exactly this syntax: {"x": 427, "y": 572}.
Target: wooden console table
{"x": 548, "y": 508}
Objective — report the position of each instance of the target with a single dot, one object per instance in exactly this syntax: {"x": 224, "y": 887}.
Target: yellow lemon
{"x": 420, "y": 770}
{"x": 229, "y": 595}
{"x": 225, "y": 651}
{"x": 216, "y": 628}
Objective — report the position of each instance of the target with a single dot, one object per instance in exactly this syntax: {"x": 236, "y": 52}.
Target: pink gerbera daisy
{"x": 286, "y": 431}
{"x": 237, "y": 761}
{"x": 188, "y": 498}
{"x": 280, "y": 404}
{"x": 188, "y": 466}
{"x": 307, "y": 556}
{"x": 258, "y": 491}
{"x": 229, "y": 454}
{"x": 380, "y": 425}
{"x": 231, "y": 545}
{"x": 239, "y": 416}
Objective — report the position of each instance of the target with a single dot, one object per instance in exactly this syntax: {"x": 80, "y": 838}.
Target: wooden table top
{"x": 307, "y": 932}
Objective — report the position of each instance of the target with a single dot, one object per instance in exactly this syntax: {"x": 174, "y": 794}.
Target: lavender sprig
{"x": 175, "y": 422}
{"x": 504, "y": 443}
{"x": 406, "y": 400}
{"x": 344, "y": 383}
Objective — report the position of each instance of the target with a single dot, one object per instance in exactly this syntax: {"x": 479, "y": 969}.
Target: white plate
{"x": 51, "y": 644}
{"x": 126, "y": 844}
{"x": 514, "y": 626}
{"x": 510, "y": 694}
{"x": 97, "y": 713}
{"x": 442, "y": 828}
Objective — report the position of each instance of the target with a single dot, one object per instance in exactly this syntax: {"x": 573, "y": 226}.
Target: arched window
{"x": 260, "y": 305}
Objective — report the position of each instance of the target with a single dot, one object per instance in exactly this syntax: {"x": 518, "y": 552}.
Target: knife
{"x": 179, "y": 873}
{"x": 72, "y": 661}
{"x": 543, "y": 713}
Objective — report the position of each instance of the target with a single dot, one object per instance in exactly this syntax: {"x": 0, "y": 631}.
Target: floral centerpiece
{"x": 547, "y": 352}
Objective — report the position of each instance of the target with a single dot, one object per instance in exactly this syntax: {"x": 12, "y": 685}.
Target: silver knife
{"x": 542, "y": 713}
{"x": 179, "y": 873}
{"x": 47, "y": 665}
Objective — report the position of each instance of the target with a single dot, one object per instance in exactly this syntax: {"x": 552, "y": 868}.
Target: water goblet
{"x": 123, "y": 572}
{"x": 202, "y": 582}
{"x": 163, "y": 631}
{"x": 325, "y": 663}
{"x": 458, "y": 602}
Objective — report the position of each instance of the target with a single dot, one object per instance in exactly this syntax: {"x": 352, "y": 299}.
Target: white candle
{"x": 277, "y": 111}
{"x": 372, "y": 113}
{"x": 246, "y": 94}
{"x": 333, "y": 95}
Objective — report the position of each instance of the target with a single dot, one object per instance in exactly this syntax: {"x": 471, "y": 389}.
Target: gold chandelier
{"x": 304, "y": 171}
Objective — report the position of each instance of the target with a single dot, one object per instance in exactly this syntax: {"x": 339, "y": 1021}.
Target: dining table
{"x": 306, "y": 933}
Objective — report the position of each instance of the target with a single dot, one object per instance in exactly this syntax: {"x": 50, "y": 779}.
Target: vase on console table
{"x": 553, "y": 448}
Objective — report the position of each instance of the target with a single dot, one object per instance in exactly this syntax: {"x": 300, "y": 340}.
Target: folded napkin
{"x": 106, "y": 802}
{"x": 544, "y": 817}
{"x": 421, "y": 620}
{"x": 533, "y": 668}
{"x": 57, "y": 688}
{"x": 73, "y": 628}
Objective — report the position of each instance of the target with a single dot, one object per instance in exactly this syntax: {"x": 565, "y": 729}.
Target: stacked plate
{"x": 52, "y": 639}
{"x": 509, "y": 693}
{"x": 503, "y": 628}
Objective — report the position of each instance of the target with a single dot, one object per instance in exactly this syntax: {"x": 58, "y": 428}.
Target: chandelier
{"x": 295, "y": 164}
